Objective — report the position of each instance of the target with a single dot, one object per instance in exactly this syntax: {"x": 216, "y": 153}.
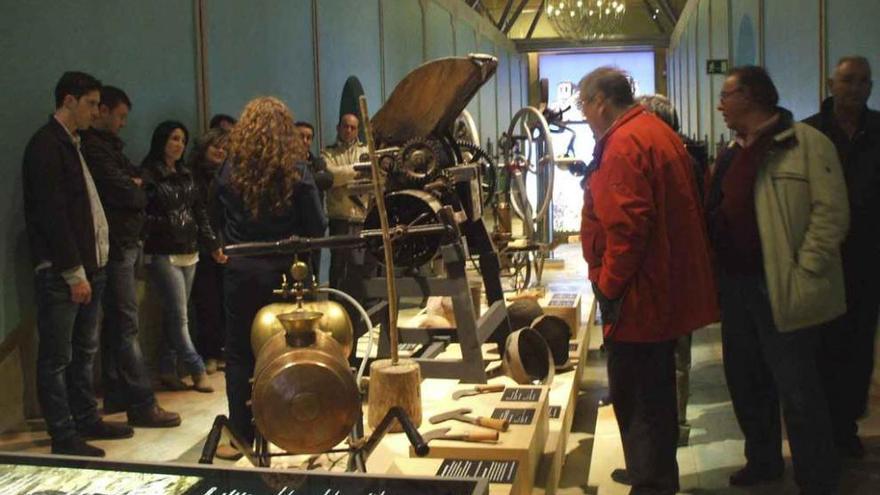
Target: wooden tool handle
{"x": 484, "y": 389}
{"x": 495, "y": 424}
{"x": 480, "y": 436}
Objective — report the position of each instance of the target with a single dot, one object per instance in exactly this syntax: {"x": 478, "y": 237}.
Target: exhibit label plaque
{"x": 515, "y": 416}
{"x": 494, "y": 471}
{"x": 521, "y": 394}
{"x": 563, "y": 300}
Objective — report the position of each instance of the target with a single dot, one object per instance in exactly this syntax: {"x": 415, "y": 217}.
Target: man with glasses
{"x": 645, "y": 242}
{"x": 846, "y": 359}
{"x": 777, "y": 212}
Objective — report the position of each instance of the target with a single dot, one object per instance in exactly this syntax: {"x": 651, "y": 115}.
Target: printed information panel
{"x": 494, "y": 471}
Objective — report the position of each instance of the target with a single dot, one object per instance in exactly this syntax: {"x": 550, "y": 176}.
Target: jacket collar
{"x": 163, "y": 172}
{"x": 869, "y": 122}
{"x": 627, "y": 116}
{"x": 60, "y": 131}
{"x": 108, "y": 137}
{"x": 599, "y": 149}
{"x": 783, "y": 131}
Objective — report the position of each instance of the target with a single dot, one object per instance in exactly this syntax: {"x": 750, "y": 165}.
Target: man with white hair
{"x": 646, "y": 245}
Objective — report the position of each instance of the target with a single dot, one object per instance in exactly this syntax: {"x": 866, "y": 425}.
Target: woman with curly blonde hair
{"x": 265, "y": 193}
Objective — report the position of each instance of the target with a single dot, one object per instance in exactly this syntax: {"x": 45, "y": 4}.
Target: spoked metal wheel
{"x": 529, "y": 149}
{"x": 521, "y": 270}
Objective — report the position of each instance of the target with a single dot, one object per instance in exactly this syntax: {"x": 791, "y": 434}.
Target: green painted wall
{"x": 262, "y": 47}
{"x": 853, "y": 30}
{"x": 466, "y": 43}
{"x": 703, "y": 49}
{"x": 795, "y": 69}
{"x": 488, "y": 99}
{"x": 404, "y": 43}
{"x": 147, "y": 48}
{"x": 439, "y": 36}
{"x": 782, "y": 35}
{"x": 266, "y": 49}
{"x": 348, "y": 41}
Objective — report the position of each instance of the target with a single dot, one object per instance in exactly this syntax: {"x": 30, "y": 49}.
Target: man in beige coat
{"x": 346, "y": 212}
{"x": 777, "y": 213}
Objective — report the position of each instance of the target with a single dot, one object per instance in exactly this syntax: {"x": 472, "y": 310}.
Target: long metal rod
{"x": 386, "y": 233}
{"x": 538, "y": 15}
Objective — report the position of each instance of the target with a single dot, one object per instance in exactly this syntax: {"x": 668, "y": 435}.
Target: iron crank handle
{"x": 213, "y": 440}
{"x": 420, "y": 447}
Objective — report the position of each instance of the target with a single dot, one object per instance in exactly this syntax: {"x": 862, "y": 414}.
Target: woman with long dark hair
{"x": 265, "y": 193}
{"x": 207, "y": 156}
{"x": 176, "y": 226}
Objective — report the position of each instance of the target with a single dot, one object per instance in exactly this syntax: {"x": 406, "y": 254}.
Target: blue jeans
{"x": 68, "y": 341}
{"x": 173, "y": 285}
{"x": 126, "y": 382}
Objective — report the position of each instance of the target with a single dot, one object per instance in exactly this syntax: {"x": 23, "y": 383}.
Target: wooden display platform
{"x": 565, "y": 305}
{"x": 563, "y": 395}
{"x": 523, "y": 443}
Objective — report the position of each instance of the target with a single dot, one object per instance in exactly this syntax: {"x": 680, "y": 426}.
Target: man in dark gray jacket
{"x": 846, "y": 356}
{"x": 127, "y": 385}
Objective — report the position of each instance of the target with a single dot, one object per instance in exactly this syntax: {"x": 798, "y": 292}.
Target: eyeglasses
{"x": 581, "y": 103}
{"x": 727, "y": 94}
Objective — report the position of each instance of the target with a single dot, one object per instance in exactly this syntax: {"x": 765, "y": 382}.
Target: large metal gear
{"x": 419, "y": 163}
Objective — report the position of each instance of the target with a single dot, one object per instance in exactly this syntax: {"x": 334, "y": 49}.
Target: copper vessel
{"x": 305, "y": 399}
{"x": 334, "y": 321}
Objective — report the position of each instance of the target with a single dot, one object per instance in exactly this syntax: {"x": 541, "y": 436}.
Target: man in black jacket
{"x": 846, "y": 355}
{"x": 68, "y": 235}
{"x": 126, "y": 382}
{"x": 323, "y": 178}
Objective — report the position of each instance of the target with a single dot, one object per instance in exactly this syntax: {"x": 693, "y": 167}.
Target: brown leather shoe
{"x": 172, "y": 382}
{"x": 101, "y": 430}
{"x": 153, "y": 417}
{"x": 227, "y": 452}
{"x": 211, "y": 366}
{"x": 201, "y": 384}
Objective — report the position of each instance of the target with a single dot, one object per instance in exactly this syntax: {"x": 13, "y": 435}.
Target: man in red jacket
{"x": 645, "y": 242}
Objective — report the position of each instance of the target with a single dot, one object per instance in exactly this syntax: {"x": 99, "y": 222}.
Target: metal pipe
{"x": 296, "y": 244}
{"x": 367, "y": 322}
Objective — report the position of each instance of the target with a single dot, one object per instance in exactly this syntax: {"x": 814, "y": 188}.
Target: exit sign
{"x": 716, "y": 66}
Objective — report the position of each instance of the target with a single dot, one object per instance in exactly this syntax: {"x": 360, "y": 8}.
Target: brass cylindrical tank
{"x": 305, "y": 399}
{"x": 334, "y": 321}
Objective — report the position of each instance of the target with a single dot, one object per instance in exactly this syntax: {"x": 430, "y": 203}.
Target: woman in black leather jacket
{"x": 265, "y": 193}
{"x": 176, "y": 226}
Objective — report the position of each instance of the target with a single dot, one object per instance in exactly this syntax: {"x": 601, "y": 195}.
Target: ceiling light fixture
{"x": 586, "y": 19}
